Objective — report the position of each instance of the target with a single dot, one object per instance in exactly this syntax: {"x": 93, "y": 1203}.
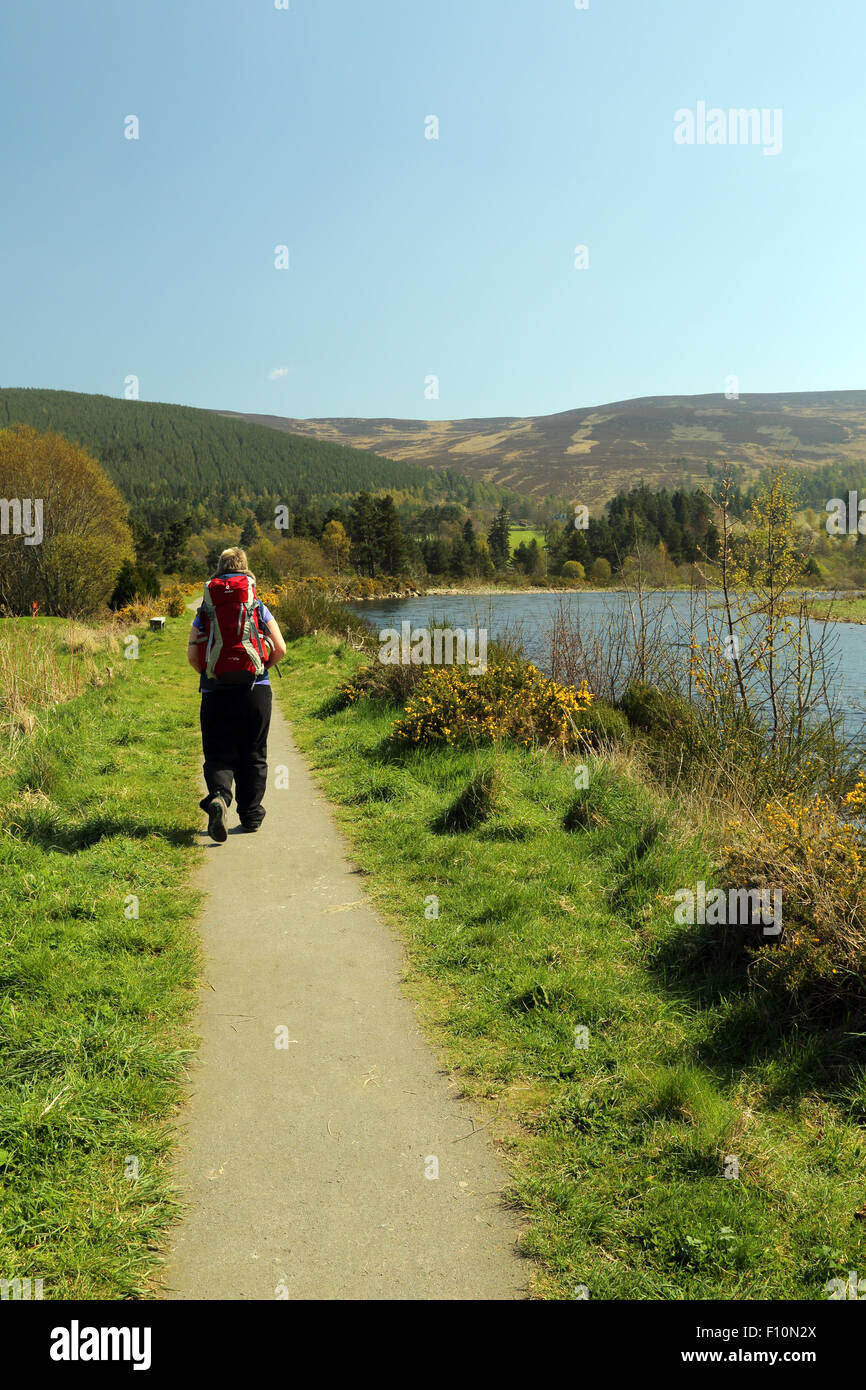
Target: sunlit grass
{"x": 44, "y": 661}
{"x": 699, "y": 1146}
{"x": 96, "y": 823}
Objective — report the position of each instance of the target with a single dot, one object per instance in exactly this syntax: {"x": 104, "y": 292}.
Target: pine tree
{"x": 435, "y": 554}
{"x": 362, "y": 530}
{"x": 499, "y": 539}
{"x": 458, "y": 563}
{"x": 535, "y": 558}
{"x": 390, "y": 544}
{"x": 471, "y": 548}
{"x": 148, "y": 546}
{"x": 576, "y": 547}
{"x": 174, "y": 541}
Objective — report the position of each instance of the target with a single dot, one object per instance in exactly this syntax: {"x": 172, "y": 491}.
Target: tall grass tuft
{"x": 41, "y": 666}
{"x": 475, "y": 803}
{"x": 303, "y": 611}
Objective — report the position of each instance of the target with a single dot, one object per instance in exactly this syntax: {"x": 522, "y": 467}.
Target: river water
{"x": 529, "y": 616}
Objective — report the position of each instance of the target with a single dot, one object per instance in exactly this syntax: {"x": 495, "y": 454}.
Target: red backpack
{"x": 235, "y": 651}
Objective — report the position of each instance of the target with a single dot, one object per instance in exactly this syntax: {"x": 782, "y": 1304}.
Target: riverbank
{"x": 839, "y": 610}
{"x": 482, "y": 590}
{"x": 853, "y": 606}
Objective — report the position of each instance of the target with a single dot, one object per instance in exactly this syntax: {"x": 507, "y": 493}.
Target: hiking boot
{"x": 250, "y": 829}
{"x": 216, "y": 820}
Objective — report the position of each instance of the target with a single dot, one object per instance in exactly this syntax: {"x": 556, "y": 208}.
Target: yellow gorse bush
{"x": 171, "y": 602}
{"x": 174, "y": 599}
{"x": 138, "y": 612}
{"x": 510, "y": 700}
{"x": 856, "y": 799}
{"x": 269, "y": 597}
{"x": 816, "y": 854}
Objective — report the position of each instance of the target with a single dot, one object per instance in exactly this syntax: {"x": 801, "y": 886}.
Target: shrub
{"x": 269, "y": 596}
{"x": 174, "y": 599}
{"x": 362, "y": 586}
{"x": 603, "y": 725}
{"x": 510, "y": 700}
{"x": 134, "y": 581}
{"x": 305, "y": 609}
{"x": 138, "y": 612}
{"x": 169, "y": 603}
{"x": 85, "y": 532}
{"x": 393, "y": 683}
{"x": 816, "y": 855}
{"x": 659, "y": 713}
{"x": 573, "y": 569}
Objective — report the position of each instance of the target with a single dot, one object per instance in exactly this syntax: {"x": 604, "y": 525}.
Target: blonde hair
{"x": 233, "y": 561}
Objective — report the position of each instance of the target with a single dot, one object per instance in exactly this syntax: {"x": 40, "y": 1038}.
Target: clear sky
{"x": 409, "y": 256}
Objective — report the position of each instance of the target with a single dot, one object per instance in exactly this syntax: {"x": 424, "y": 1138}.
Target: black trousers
{"x": 234, "y": 735}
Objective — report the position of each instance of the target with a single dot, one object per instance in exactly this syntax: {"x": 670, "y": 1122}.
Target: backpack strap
{"x": 214, "y": 636}
{"x": 260, "y": 610}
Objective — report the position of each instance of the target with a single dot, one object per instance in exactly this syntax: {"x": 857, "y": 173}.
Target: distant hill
{"x": 590, "y": 454}
{"x": 156, "y": 453}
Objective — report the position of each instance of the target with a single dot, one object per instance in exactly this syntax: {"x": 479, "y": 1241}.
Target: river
{"x": 529, "y": 616}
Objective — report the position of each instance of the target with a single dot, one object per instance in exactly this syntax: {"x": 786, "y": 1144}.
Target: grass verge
{"x": 98, "y": 963}
{"x": 673, "y": 1133}
{"x": 839, "y": 609}
{"x": 43, "y": 662}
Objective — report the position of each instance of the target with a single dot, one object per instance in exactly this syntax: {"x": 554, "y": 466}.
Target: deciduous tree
{"x": 73, "y": 569}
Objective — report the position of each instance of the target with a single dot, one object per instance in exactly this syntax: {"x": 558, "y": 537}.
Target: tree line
{"x": 96, "y": 550}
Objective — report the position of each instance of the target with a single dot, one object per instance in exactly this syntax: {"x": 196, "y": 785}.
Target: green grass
{"x": 555, "y": 915}
{"x": 44, "y": 661}
{"x": 843, "y": 610}
{"x": 95, "y": 1005}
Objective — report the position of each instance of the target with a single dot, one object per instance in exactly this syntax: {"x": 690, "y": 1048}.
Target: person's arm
{"x": 277, "y": 640}
{"x": 195, "y": 648}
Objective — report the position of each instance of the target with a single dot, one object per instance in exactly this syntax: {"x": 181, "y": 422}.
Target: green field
{"x": 525, "y": 534}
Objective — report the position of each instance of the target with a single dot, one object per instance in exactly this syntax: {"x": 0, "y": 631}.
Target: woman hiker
{"x": 237, "y": 638}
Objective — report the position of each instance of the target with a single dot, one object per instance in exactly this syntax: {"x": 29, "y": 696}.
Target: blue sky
{"x": 412, "y": 257}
